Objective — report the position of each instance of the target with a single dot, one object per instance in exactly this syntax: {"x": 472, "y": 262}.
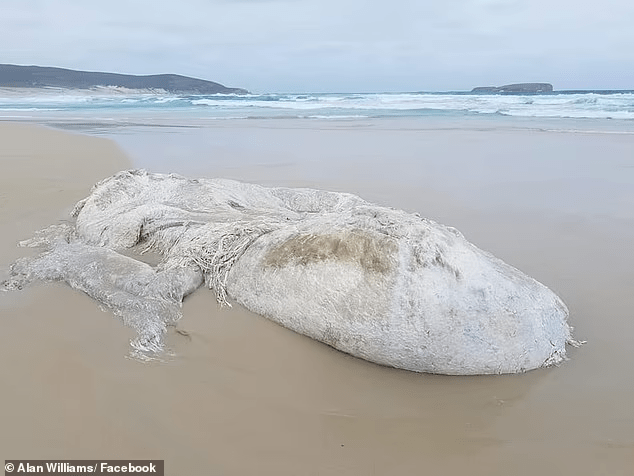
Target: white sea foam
{"x": 619, "y": 106}
{"x": 27, "y": 109}
{"x": 586, "y": 105}
{"x": 340, "y": 116}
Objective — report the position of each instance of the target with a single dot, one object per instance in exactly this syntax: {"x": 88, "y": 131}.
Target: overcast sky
{"x": 332, "y": 45}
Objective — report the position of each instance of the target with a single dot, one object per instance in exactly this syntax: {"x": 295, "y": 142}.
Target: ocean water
{"x": 114, "y": 103}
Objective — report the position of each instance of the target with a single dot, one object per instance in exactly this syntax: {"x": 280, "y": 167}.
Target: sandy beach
{"x": 242, "y": 396}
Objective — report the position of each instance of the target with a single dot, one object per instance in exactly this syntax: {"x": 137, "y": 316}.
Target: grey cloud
{"x": 330, "y": 45}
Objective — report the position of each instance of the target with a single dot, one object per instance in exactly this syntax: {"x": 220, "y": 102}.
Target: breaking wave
{"x": 595, "y": 105}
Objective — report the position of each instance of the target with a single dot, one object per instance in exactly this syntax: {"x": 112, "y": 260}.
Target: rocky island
{"x": 519, "y": 88}
{"x": 14, "y": 76}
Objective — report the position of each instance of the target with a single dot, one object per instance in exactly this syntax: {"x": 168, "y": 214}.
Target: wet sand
{"x": 242, "y": 395}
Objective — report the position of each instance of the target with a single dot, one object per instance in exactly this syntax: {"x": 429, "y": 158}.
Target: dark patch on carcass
{"x": 375, "y": 253}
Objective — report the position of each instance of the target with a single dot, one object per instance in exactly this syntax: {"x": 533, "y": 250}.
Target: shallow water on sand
{"x": 242, "y": 395}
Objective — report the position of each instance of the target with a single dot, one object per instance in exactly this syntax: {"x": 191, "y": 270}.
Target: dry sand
{"x": 244, "y": 396}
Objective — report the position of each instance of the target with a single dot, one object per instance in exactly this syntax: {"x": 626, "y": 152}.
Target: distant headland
{"x": 528, "y": 88}
{"x": 14, "y": 76}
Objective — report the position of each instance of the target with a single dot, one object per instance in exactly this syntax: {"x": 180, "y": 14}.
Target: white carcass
{"x": 380, "y": 284}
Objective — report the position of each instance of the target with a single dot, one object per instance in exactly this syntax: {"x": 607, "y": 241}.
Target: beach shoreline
{"x": 241, "y": 395}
